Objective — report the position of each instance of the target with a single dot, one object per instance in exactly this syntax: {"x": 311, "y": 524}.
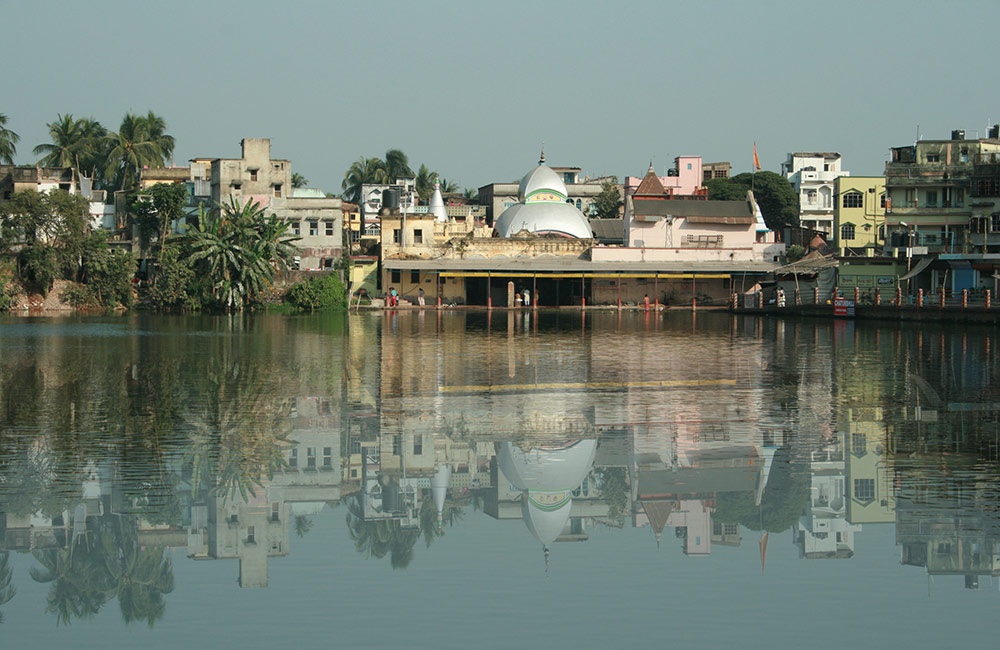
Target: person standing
{"x": 527, "y": 297}
{"x": 420, "y": 297}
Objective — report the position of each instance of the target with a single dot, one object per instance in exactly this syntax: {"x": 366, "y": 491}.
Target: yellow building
{"x": 870, "y": 475}
{"x": 859, "y": 213}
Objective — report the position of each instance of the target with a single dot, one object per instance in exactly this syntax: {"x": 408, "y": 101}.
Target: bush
{"x": 174, "y": 288}
{"x": 108, "y": 273}
{"x": 39, "y": 267}
{"x": 326, "y": 292}
{"x": 794, "y": 253}
{"x": 77, "y": 296}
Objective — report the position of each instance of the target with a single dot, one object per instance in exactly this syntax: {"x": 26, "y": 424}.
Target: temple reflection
{"x": 407, "y": 426}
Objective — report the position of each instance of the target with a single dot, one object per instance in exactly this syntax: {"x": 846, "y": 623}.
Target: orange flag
{"x": 756, "y": 160}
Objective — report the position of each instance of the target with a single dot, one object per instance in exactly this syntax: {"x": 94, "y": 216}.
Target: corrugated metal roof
{"x": 690, "y": 208}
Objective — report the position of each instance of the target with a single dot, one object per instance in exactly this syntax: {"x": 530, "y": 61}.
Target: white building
{"x": 812, "y": 175}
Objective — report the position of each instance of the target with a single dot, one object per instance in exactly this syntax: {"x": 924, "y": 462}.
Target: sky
{"x": 473, "y": 89}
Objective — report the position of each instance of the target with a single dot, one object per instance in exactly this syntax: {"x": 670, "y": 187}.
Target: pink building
{"x": 685, "y": 179}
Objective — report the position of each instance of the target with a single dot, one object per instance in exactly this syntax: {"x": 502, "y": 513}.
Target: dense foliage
{"x": 609, "y": 201}
{"x": 774, "y": 194}
{"x": 375, "y": 170}
{"x": 326, "y": 292}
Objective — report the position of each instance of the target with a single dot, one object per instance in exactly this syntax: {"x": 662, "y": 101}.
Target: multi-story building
{"x": 715, "y": 170}
{"x": 314, "y": 217}
{"x": 812, "y": 174}
{"x": 859, "y": 214}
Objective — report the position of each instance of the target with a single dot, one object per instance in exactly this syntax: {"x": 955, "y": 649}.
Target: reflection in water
{"x": 222, "y": 437}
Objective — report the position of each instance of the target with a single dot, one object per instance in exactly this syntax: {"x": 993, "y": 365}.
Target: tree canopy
{"x": 609, "y": 201}
{"x": 774, "y": 194}
{"x": 8, "y": 142}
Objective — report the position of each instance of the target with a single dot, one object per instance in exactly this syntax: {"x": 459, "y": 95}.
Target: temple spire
{"x": 541, "y": 158}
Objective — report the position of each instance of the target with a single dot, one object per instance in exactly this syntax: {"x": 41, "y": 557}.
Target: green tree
{"x": 774, "y": 194}
{"x": 298, "y": 180}
{"x": 609, "y": 201}
{"x": 239, "y": 250}
{"x": 326, "y": 292}
{"x": 155, "y": 209}
{"x": 362, "y": 171}
{"x": 177, "y": 287}
{"x": 424, "y": 182}
{"x": 784, "y": 499}
{"x": 8, "y": 142}
{"x": 303, "y": 525}
{"x": 75, "y": 143}
{"x": 141, "y": 141}
{"x": 471, "y": 195}
{"x": 107, "y": 272}
{"x": 397, "y": 165}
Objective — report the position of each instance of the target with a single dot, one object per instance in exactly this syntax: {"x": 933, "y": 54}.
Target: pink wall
{"x": 686, "y": 181}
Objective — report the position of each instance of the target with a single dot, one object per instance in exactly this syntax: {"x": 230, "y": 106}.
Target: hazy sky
{"x": 472, "y": 88}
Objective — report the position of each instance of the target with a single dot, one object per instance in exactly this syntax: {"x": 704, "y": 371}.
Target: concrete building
{"x": 859, "y": 214}
{"x": 812, "y": 174}
{"x": 317, "y": 219}
{"x": 715, "y": 170}
{"x": 823, "y": 531}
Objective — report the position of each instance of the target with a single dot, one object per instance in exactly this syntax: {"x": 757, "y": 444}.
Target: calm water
{"x": 468, "y": 480}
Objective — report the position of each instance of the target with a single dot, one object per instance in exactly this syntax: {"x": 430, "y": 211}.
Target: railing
{"x": 939, "y": 299}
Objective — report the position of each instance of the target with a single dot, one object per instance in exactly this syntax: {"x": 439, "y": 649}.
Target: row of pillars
{"x": 877, "y": 301}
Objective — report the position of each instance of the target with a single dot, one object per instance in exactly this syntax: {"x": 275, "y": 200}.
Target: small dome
{"x": 541, "y": 179}
{"x": 546, "y": 513}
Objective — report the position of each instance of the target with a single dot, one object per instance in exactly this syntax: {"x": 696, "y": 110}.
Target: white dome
{"x": 547, "y": 469}
{"x": 546, "y": 513}
{"x": 543, "y": 219}
{"x": 540, "y": 179}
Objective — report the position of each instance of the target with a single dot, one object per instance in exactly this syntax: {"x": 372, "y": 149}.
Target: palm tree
{"x": 74, "y": 142}
{"x": 396, "y": 165}
{"x": 471, "y": 195}
{"x": 138, "y": 576}
{"x": 7, "y": 590}
{"x": 362, "y": 171}
{"x": 77, "y": 578}
{"x": 298, "y": 180}
{"x": 447, "y": 187}
{"x": 140, "y": 142}
{"x": 303, "y": 525}
{"x": 8, "y": 142}
{"x": 425, "y": 182}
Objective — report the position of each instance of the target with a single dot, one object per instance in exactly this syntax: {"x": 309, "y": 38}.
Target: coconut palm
{"x": 298, "y": 180}
{"x": 471, "y": 194}
{"x": 362, "y": 171}
{"x": 425, "y": 182}
{"x": 141, "y": 141}
{"x": 137, "y": 576}
{"x": 8, "y": 142}
{"x": 75, "y": 142}
{"x": 378, "y": 538}
{"x": 396, "y": 165}
{"x": 447, "y": 187}
{"x": 78, "y": 581}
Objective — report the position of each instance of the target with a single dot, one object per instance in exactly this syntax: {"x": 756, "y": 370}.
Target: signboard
{"x": 843, "y": 307}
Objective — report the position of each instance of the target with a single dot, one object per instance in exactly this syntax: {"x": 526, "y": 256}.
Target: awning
{"x": 921, "y": 265}
{"x": 543, "y": 275}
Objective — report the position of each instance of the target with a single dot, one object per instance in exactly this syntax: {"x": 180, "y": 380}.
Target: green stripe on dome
{"x": 563, "y": 197}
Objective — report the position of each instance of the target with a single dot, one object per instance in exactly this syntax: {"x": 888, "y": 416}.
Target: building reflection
{"x": 408, "y": 423}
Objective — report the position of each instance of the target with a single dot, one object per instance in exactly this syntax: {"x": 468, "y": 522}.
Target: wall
{"x": 871, "y": 213}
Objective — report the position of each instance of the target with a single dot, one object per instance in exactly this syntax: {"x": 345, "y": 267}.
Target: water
{"x": 471, "y": 479}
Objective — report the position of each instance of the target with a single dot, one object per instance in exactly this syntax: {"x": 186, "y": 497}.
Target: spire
{"x": 546, "y": 550}
{"x": 436, "y": 206}
{"x": 650, "y": 170}
{"x": 541, "y": 158}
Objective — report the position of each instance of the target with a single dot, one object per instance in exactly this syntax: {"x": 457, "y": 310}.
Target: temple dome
{"x": 542, "y": 208}
{"x": 436, "y": 206}
{"x": 546, "y": 513}
{"x": 547, "y": 469}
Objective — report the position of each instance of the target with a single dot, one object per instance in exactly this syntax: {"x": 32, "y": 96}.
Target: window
{"x": 313, "y": 228}
{"x": 395, "y": 277}
{"x": 395, "y": 445}
{"x": 859, "y": 444}
{"x": 881, "y": 200}
{"x": 395, "y": 235}
{"x": 933, "y": 157}
{"x": 277, "y": 191}
{"x": 355, "y": 446}
{"x": 293, "y": 458}
{"x": 328, "y": 457}
{"x": 959, "y": 197}
{"x": 237, "y": 187}
{"x": 826, "y": 167}
{"x": 730, "y": 529}
{"x": 295, "y": 228}
{"x": 253, "y": 174}
{"x": 355, "y": 236}
{"x": 251, "y": 535}
{"x": 689, "y": 165}
{"x": 864, "y": 489}
{"x": 418, "y": 236}
{"x": 719, "y": 173}
{"x": 847, "y": 231}
{"x": 311, "y": 458}
{"x": 811, "y": 197}
{"x": 881, "y": 233}
{"x": 415, "y": 277}
{"x": 579, "y": 204}
{"x": 931, "y": 199}
{"x": 963, "y": 156}
{"x": 275, "y": 511}
{"x": 995, "y": 223}
{"x": 910, "y": 200}
{"x": 418, "y": 445}
{"x": 988, "y": 187}
{"x": 853, "y": 200}
{"x": 329, "y": 228}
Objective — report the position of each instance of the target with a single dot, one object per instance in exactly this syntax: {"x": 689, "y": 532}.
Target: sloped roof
{"x": 658, "y": 512}
{"x": 608, "y": 229}
{"x": 650, "y": 186}
{"x": 687, "y": 208}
